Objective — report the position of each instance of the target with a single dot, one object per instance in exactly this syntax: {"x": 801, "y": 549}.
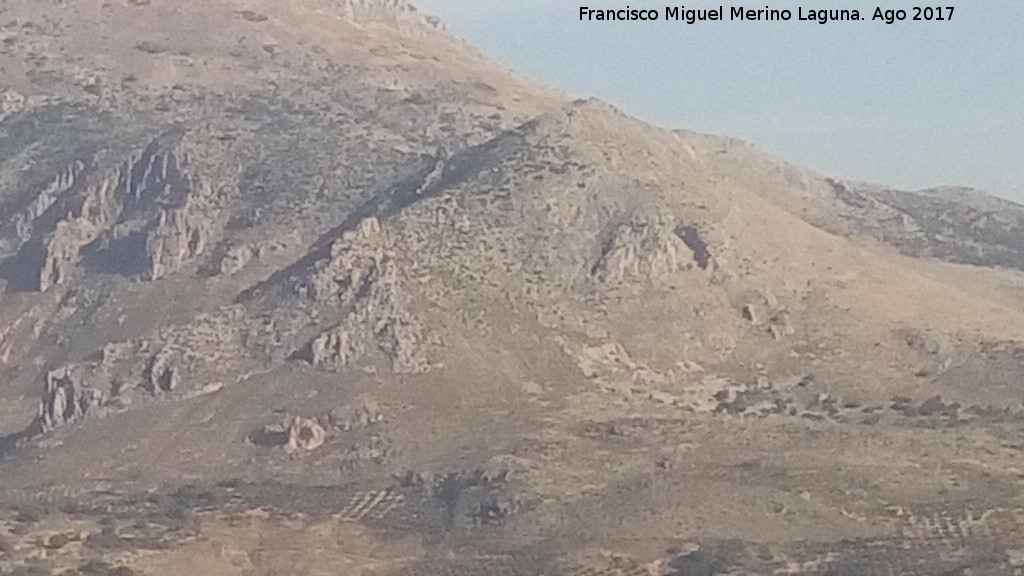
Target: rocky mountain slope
{"x": 303, "y": 285}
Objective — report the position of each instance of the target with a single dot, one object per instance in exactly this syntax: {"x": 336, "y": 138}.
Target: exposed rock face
{"x": 23, "y": 221}
{"x": 395, "y": 12}
{"x": 60, "y": 251}
{"x": 115, "y": 170}
{"x": 235, "y": 260}
{"x": 781, "y": 325}
{"x": 67, "y": 397}
{"x": 177, "y": 362}
{"x": 11, "y": 102}
{"x": 162, "y": 376}
{"x": 335, "y": 348}
{"x": 362, "y": 278}
{"x": 394, "y": 333}
{"x": 79, "y": 216}
{"x": 751, "y": 314}
{"x": 178, "y": 237}
{"x": 304, "y": 435}
{"x": 361, "y": 265}
{"x": 645, "y": 248}
{"x": 89, "y": 207}
{"x": 595, "y": 302}
{"x": 21, "y": 329}
{"x": 926, "y": 342}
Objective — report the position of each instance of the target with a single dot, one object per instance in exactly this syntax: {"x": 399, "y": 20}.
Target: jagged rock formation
{"x": 177, "y": 237}
{"x": 361, "y": 277}
{"x": 304, "y": 435}
{"x": 11, "y": 102}
{"x": 651, "y": 249}
{"x": 23, "y": 220}
{"x": 235, "y": 260}
{"x": 67, "y": 397}
{"x": 394, "y": 12}
{"x": 177, "y": 362}
{"x": 360, "y": 265}
{"x": 148, "y": 215}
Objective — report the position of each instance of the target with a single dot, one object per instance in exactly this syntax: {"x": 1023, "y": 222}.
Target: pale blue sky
{"x": 913, "y": 105}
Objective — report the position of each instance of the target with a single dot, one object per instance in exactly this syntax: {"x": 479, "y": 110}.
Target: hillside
{"x": 301, "y": 287}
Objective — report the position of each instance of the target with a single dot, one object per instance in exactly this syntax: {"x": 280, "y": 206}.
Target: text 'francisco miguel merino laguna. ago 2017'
{"x": 766, "y": 14}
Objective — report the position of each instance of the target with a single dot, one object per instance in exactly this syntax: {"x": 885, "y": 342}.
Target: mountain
{"x": 309, "y": 287}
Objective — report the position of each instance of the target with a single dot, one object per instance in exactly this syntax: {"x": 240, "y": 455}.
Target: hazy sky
{"x": 913, "y": 104}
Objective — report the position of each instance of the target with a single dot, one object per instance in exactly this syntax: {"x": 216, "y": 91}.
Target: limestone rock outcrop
{"x": 336, "y": 348}
{"x": 182, "y": 362}
{"x": 651, "y": 248}
{"x": 235, "y": 260}
{"x": 95, "y": 206}
{"x": 19, "y": 230}
{"x": 360, "y": 266}
{"x": 304, "y": 435}
{"x": 393, "y": 12}
{"x": 68, "y": 397}
{"x": 361, "y": 278}
{"x": 178, "y": 237}
{"x": 60, "y": 251}
{"x": 11, "y": 102}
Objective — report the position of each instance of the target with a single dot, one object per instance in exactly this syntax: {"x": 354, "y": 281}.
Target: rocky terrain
{"x": 315, "y": 288}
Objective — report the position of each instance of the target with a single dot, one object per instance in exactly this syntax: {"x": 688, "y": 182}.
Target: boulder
{"x": 304, "y": 435}
{"x": 67, "y": 398}
{"x": 235, "y": 260}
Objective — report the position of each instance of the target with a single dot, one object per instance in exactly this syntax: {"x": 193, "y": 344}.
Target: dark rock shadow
{"x": 21, "y": 271}
{"x": 693, "y": 240}
{"x": 124, "y": 256}
{"x": 12, "y": 442}
{"x": 269, "y": 437}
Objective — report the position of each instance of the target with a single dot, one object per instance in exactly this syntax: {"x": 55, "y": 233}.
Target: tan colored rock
{"x": 403, "y": 341}
{"x": 61, "y": 185}
{"x": 84, "y": 203}
{"x": 751, "y": 313}
{"x": 85, "y": 219}
{"x": 335, "y": 348}
{"x": 395, "y": 334}
{"x": 67, "y": 398}
{"x": 162, "y": 376}
{"x": 11, "y": 102}
{"x": 305, "y": 435}
{"x": 235, "y": 260}
{"x": 179, "y": 235}
{"x": 360, "y": 264}
{"x": 361, "y": 278}
{"x": 398, "y": 13}
{"x": 927, "y": 342}
{"x": 61, "y": 251}
{"x": 647, "y": 248}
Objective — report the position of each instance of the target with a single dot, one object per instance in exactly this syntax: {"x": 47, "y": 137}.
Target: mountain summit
{"x": 300, "y": 287}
